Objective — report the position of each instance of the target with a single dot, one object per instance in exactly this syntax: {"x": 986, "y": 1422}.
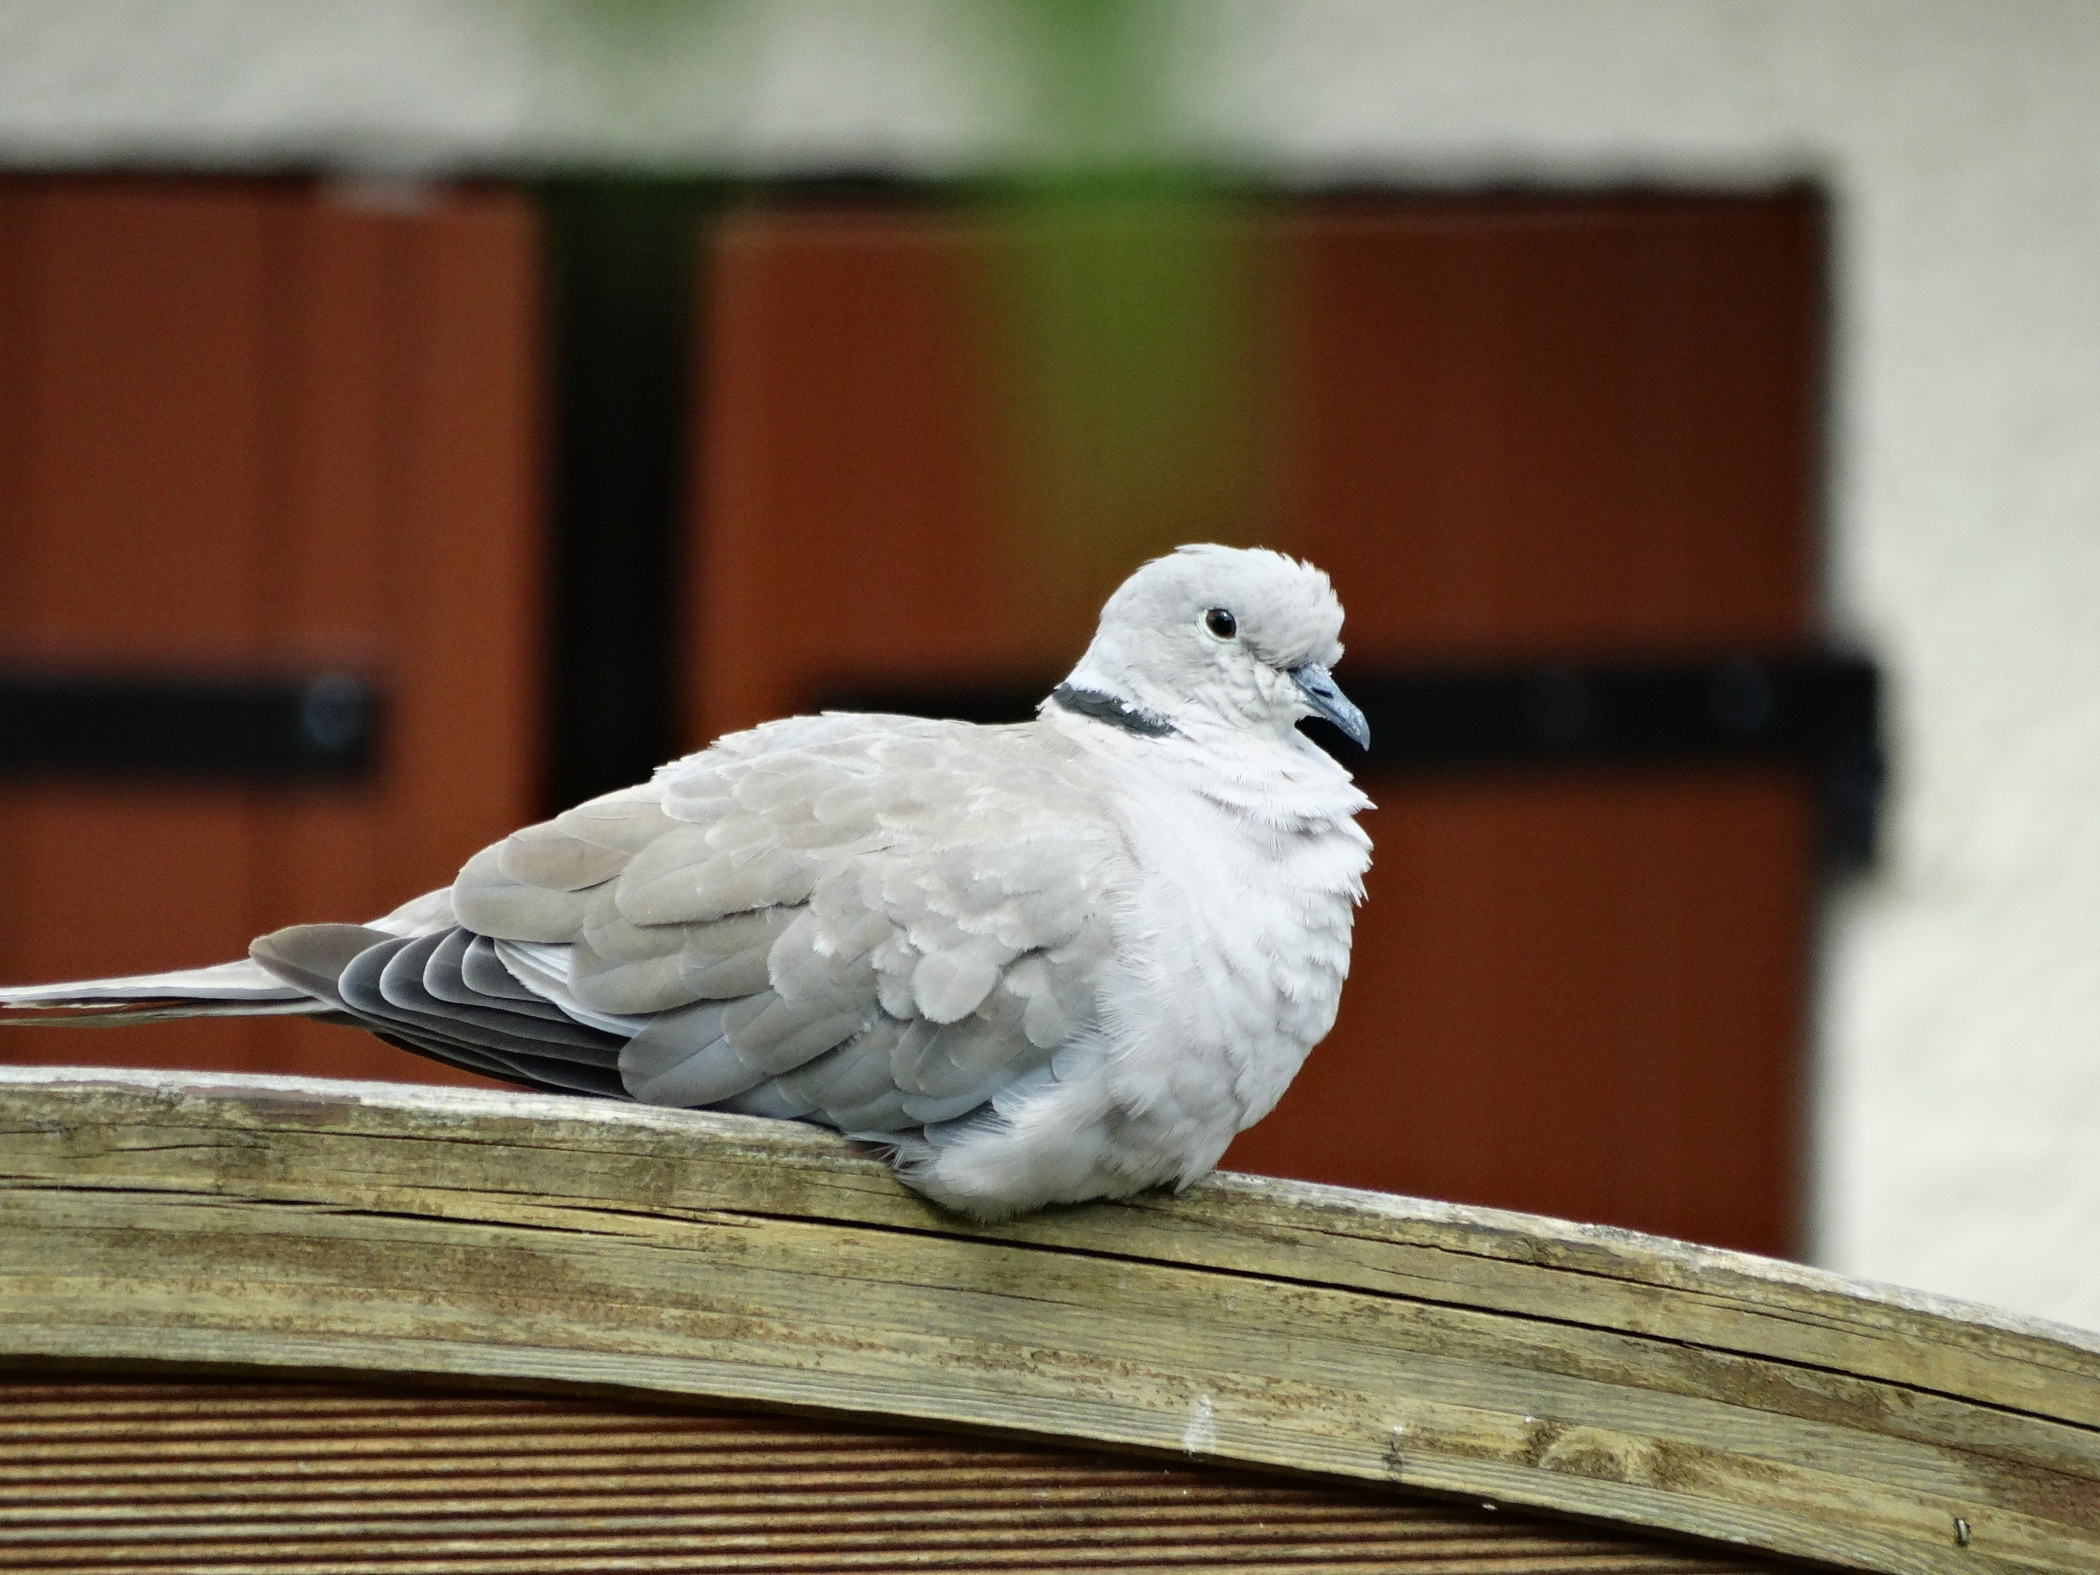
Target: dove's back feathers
{"x": 1062, "y": 959}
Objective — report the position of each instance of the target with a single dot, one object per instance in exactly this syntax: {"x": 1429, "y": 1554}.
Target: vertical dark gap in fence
{"x": 622, "y": 263}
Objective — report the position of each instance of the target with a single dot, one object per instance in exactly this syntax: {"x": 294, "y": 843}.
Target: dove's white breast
{"x": 1236, "y": 931}
{"x": 1232, "y": 922}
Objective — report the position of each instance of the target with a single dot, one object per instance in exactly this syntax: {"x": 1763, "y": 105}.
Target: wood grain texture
{"x": 305, "y": 1227}
{"x": 164, "y": 1477}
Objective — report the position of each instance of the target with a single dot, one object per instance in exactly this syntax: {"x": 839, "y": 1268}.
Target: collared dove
{"x": 1045, "y": 962}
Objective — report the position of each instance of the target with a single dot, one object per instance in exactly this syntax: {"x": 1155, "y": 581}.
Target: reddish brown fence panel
{"x": 255, "y": 427}
{"x": 1563, "y": 428}
{"x": 1509, "y": 428}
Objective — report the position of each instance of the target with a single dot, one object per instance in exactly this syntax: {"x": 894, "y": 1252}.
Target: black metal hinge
{"x": 213, "y": 729}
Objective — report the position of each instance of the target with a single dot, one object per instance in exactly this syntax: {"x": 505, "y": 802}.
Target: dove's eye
{"x": 1220, "y": 622}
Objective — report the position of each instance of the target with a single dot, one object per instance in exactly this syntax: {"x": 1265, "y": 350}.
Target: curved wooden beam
{"x": 303, "y": 1226}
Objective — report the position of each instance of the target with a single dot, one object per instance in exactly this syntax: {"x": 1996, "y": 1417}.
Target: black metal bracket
{"x": 321, "y": 727}
{"x": 1815, "y": 710}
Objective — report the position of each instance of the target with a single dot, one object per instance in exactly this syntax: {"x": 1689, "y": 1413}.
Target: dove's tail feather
{"x": 234, "y": 989}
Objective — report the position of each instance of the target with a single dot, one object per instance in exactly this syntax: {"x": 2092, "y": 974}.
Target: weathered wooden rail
{"x": 183, "y": 1226}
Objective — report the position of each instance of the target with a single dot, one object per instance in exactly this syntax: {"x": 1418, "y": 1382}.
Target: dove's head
{"x": 1242, "y": 637}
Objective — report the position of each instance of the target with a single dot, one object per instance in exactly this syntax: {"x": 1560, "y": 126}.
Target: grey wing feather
{"x": 875, "y": 922}
{"x": 235, "y": 989}
{"x": 768, "y": 1099}
{"x": 847, "y": 1076}
{"x": 548, "y": 857}
{"x": 312, "y": 957}
{"x": 464, "y": 971}
{"x": 943, "y": 892}
{"x": 383, "y": 985}
{"x": 482, "y": 971}
{"x": 685, "y": 1058}
{"x": 379, "y": 979}
{"x": 626, "y": 821}
{"x": 402, "y": 983}
{"x": 385, "y": 982}
{"x": 533, "y": 1071}
{"x": 489, "y": 902}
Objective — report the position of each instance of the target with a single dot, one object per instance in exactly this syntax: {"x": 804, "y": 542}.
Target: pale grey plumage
{"x": 1060, "y": 959}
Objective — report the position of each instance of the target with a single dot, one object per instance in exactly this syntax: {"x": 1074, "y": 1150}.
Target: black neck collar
{"x": 1116, "y": 713}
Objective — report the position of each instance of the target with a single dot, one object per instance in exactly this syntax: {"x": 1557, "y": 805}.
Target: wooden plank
{"x": 146, "y": 1475}
{"x": 281, "y": 1224}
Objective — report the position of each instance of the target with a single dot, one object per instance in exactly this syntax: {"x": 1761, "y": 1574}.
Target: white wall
{"x": 1959, "y": 1101}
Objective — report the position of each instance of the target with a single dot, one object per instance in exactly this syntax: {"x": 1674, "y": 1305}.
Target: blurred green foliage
{"x": 1133, "y": 333}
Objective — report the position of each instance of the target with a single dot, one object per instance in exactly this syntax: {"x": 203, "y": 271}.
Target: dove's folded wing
{"x": 877, "y": 922}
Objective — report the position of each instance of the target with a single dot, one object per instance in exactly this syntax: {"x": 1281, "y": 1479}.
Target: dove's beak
{"x": 1318, "y": 687}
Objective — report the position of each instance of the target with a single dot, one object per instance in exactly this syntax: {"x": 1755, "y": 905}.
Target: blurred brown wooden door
{"x": 1507, "y": 428}
{"x": 255, "y": 427}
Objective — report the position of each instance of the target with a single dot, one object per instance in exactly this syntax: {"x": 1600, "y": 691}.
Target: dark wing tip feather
{"x": 312, "y": 957}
